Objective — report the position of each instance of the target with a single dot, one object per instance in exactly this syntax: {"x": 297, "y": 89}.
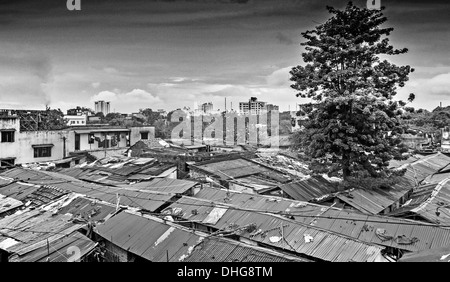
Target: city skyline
{"x": 171, "y": 54}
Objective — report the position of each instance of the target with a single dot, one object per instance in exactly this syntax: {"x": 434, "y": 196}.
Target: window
{"x": 7, "y": 162}
{"x": 7, "y": 136}
{"x": 144, "y": 135}
{"x": 42, "y": 151}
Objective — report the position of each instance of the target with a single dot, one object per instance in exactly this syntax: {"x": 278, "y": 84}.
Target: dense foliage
{"x": 354, "y": 124}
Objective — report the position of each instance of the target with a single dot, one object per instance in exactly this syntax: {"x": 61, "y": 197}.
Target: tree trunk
{"x": 345, "y": 166}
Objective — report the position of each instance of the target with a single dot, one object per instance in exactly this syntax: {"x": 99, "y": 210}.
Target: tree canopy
{"x": 354, "y": 126}
{"x": 150, "y": 115}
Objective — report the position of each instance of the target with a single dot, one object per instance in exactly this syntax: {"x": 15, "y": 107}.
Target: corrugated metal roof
{"x": 236, "y": 168}
{"x": 436, "y": 178}
{"x": 284, "y": 162}
{"x": 31, "y": 230}
{"x": 148, "y": 238}
{"x": 28, "y": 230}
{"x": 426, "y": 166}
{"x": 87, "y": 209}
{"x": 259, "y": 202}
{"x": 57, "y": 250}
{"x": 433, "y": 255}
{"x": 275, "y": 228}
{"x": 7, "y": 204}
{"x": 18, "y": 191}
{"x": 156, "y": 169}
{"x": 23, "y": 174}
{"x": 44, "y": 195}
{"x": 214, "y": 249}
{"x": 399, "y": 233}
{"x": 154, "y": 143}
{"x": 428, "y": 202}
{"x": 148, "y": 200}
{"x": 36, "y": 194}
{"x": 358, "y": 226}
{"x": 256, "y": 183}
{"x": 119, "y": 171}
{"x": 4, "y": 181}
{"x": 309, "y": 189}
{"x": 167, "y": 185}
{"x": 149, "y": 195}
{"x": 399, "y": 163}
{"x": 375, "y": 200}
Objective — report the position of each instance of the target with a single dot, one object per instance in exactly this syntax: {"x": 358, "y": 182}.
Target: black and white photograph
{"x": 224, "y": 138}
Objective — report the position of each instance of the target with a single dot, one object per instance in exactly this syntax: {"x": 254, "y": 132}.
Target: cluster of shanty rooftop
{"x": 221, "y": 208}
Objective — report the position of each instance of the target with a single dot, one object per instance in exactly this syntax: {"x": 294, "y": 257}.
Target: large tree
{"x": 150, "y": 115}
{"x": 353, "y": 127}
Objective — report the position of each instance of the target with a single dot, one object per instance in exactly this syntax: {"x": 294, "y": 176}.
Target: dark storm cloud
{"x": 230, "y": 45}
{"x": 135, "y": 13}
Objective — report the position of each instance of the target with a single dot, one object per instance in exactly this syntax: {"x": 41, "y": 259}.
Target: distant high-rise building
{"x": 253, "y": 106}
{"x": 206, "y": 107}
{"x": 102, "y": 107}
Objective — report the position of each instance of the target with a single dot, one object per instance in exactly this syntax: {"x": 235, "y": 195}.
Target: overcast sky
{"x": 173, "y": 53}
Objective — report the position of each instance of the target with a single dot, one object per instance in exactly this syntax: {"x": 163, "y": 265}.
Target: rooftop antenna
{"x": 225, "y": 104}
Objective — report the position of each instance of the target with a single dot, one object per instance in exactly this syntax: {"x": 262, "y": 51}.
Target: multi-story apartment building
{"x": 253, "y": 106}
{"x": 206, "y": 108}
{"x": 102, "y": 107}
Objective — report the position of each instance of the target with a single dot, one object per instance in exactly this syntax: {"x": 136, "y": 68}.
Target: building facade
{"x": 18, "y": 147}
{"x": 103, "y": 138}
{"x": 23, "y": 147}
{"x": 253, "y": 106}
{"x": 445, "y": 139}
{"x": 76, "y": 120}
{"x": 206, "y": 108}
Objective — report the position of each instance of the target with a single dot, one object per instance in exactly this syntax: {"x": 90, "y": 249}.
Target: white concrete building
{"x": 78, "y": 120}
{"x": 253, "y": 106}
{"x": 29, "y": 146}
{"x": 43, "y": 146}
